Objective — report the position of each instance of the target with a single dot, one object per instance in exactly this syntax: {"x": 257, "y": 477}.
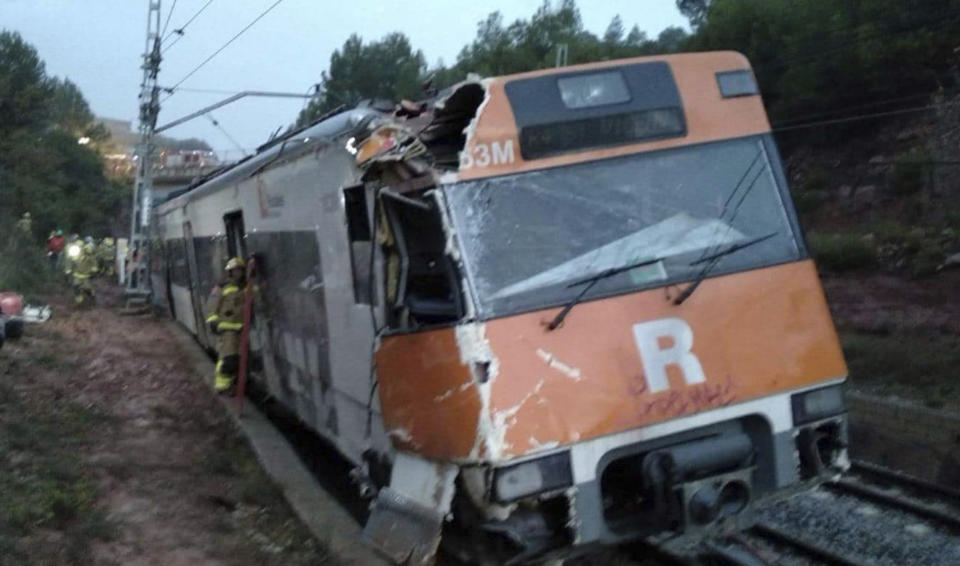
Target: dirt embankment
{"x": 113, "y": 452}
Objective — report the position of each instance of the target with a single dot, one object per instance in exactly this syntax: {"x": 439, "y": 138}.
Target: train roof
{"x": 294, "y": 143}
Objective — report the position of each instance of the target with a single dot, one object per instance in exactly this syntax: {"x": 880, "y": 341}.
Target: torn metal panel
{"x": 425, "y": 482}
{"x": 407, "y": 517}
{"x": 428, "y": 393}
{"x": 447, "y": 134}
{"x": 403, "y": 530}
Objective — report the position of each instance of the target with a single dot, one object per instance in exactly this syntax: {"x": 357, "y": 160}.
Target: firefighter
{"x": 107, "y": 257}
{"x": 25, "y": 224}
{"x": 81, "y": 266}
{"x": 55, "y": 245}
{"x": 226, "y": 321}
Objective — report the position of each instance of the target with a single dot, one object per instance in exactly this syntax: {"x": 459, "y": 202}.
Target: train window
{"x": 427, "y": 289}
{"x": 737, "y": 83}
{"x": 178, "y": 262}
{"x": 358, "y": 232}
{"x": 236, "y": 245}
{"x": 596, "y": 89}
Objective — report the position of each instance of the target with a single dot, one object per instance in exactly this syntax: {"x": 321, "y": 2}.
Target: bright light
{"x": 73, "y": 251}
{"x": 84, "y": 140}
{"x": 351, "y": 147}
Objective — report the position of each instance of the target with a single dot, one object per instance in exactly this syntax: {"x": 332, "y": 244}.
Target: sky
{"x": 98, "y": 45}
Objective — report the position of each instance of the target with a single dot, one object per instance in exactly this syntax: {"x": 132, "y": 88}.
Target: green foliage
{"x": 694, "y": 10}
{"x": 904, "y": 363}
{"x": 840, "y": 252}
{"x": 23, "y": 268}
{"x": 386, "y": 69}
{"x": 43, "y": 170}
{"x": 818, "y": 59}
{"x": 526, "y": 45}
{"x": 910, "y": 173}
{"x": 391, "y": 69}
{"x": 914, "y": 250}
{"x": 24, "y": 91}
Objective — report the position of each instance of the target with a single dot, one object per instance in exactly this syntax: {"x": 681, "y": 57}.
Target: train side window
{"x": 359, "y": 235}
{"x": 427, "y": 287}
{"x": 236, "y": 245}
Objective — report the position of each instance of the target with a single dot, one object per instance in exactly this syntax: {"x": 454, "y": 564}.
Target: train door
{"x": 192, "y": 274}
{"x": 236, "y": 244}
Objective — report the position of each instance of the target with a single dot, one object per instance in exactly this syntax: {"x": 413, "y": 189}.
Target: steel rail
{"x": 909, "y": 505}
{"x": 805, "y": 546}
{"x": 899, "y": 478}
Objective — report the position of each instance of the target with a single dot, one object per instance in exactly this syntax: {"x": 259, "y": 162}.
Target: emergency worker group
{"x": 84, "y": 259}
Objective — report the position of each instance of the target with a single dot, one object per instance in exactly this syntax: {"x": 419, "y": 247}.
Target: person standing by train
{"x": 226, "y": 321}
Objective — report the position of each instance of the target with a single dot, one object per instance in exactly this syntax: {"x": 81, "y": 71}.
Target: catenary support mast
{"x": 138, "y": 278}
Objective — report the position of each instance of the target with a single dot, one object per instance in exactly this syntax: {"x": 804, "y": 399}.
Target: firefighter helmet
{"x": 234, "y": 263}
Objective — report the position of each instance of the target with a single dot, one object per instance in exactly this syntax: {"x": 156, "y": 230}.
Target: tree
{"x": 695, "y": 11}
{"x": 43, "y": 169}
{"x": 68, "y": 109}
{"x": 386, "y": 69}
{"x": 671, "y": 39}
{"x": 24, "y": 90}
{"x": 614, "y": 33}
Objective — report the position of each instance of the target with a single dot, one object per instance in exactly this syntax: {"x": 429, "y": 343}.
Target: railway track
{"x": 872, "y": 516}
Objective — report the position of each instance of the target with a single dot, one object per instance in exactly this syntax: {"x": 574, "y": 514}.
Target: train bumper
{"x": 698, "y": 473}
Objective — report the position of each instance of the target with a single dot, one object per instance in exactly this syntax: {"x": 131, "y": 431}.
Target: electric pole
{"x": 138, "y": 279}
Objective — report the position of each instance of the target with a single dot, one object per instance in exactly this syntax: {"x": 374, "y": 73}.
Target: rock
{"x": 876, "y": 159}
{"x": 865, "y": 193}
{"x": 952, "y": 261}
{"x": 845, "y": 191}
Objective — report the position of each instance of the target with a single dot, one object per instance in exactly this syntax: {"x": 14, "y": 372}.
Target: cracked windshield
{"x": 527, "y": 237}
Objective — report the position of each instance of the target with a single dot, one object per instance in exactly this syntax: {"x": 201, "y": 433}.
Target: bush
{"x": 838, "y": 252}
{"x": 910, "y": 173}
{"x": 23, "y": 264}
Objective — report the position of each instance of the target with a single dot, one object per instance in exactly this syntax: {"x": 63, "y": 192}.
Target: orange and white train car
{"x": 643, "y": 344}
{"x": 542, "y": 312}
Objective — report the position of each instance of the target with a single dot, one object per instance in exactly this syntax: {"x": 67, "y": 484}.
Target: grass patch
{"x": 910, "y": 172}
{"x": 44, "y": 486}
{"x": 918, "y": 366}
{"x": 23, "y": 264}
{"x": 840, "y": 252}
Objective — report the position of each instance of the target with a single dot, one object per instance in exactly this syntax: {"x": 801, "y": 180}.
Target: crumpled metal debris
{"x": 36, "y": 313}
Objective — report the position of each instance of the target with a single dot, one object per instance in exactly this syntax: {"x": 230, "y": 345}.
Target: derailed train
{"x": 539, "y": 313}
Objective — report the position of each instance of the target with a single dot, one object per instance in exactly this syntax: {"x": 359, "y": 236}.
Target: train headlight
{"x": 817, "y": 404}
{"x": 73, "y": 251}
{"x": 532, "y": 477}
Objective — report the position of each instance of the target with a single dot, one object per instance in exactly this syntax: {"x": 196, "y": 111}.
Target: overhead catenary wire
{"x": 864, "y": 116}
{"x": 226, "y": 134}
{"x": 180, "y": 30}
{"x": 224, "y": 46}
{"x": 173, "y": 7}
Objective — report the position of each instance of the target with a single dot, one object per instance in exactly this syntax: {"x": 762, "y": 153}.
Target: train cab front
{"x": 601, "y": 350}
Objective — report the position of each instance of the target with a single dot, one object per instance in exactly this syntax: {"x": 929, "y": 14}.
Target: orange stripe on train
{"x": 751, "y": 334}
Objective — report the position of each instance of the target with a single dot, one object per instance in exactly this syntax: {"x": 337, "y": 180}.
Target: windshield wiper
{"x": 590, "y": 282}
{"x": 712, "y": 260}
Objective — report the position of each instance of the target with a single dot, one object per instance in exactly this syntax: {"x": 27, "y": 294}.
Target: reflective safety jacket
{"x": 227, "y": 309}
{"x": 83, "y": 267}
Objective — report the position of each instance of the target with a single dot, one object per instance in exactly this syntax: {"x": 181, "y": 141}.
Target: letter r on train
{"x": 667, "y": 342}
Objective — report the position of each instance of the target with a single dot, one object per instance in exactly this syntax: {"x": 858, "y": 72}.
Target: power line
{"x": 864, "y": 116}
{"x": 170, "y": 90}
{"x": 841, "y": 110}
{"x": 228, "y": 136}
{"x": 169, "y": 15}
{"x": 224, "y": 46}
{"x": 180, "y": 30}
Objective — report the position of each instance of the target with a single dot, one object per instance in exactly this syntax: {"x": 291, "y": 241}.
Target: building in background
{"x": 177, "y": 163}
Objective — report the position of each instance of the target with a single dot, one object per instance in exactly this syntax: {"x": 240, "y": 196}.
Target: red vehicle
{"x": 11, "y": 311}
